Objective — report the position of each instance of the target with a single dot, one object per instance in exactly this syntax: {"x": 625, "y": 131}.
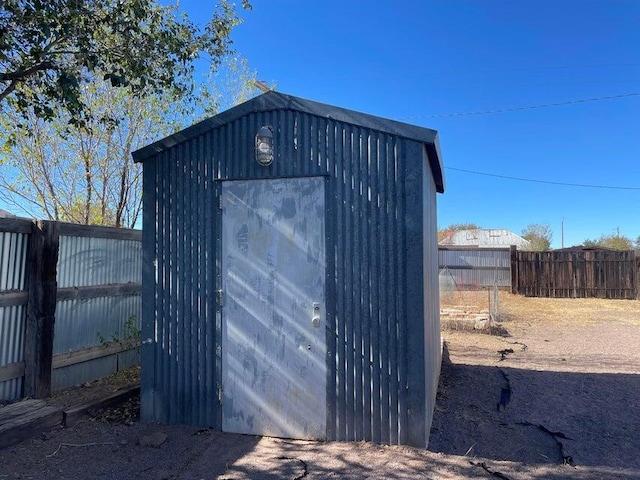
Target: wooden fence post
{"x": 636, "y": 257}
{"x": 514, "y": 270}
{"x": 42, "y": 285}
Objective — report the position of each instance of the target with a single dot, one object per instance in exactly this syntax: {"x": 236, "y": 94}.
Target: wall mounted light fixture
{"x": 264, "y": 146}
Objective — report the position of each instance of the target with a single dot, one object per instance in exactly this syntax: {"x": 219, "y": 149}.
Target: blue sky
{"x": 416, "y": 60}
{"x": 436, "y": 63}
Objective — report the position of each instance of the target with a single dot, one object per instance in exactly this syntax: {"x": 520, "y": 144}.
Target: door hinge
{"x": 219, "y": 395}
{"x": 220, "y": 294}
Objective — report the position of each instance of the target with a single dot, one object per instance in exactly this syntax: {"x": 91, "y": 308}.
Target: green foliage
{"x": 84, "y": 173}
{"x": 131, "y": 334}
{"x": 614, "y": 241}
{"x": 50, "y": 48}
{"x": 131, "y": 330}
{"x": 539, "y": 236}
{"x": 83, "y": 84}
{"x": 233, "y": 82}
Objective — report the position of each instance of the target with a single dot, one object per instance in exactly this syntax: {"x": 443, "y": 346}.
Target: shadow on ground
{"x": 535, "y": 417}
{"x": 104, "y": 450}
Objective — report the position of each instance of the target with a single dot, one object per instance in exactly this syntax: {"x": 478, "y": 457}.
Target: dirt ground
{"x": 557, "y": 395}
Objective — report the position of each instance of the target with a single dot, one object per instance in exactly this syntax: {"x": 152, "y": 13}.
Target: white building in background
{"x": 485, "y": 238}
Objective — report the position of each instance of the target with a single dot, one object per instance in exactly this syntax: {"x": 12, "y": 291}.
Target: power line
{"x": 526, "y": 107}
{"x": 534, "y": 68}
{"x": 548, "y": 182}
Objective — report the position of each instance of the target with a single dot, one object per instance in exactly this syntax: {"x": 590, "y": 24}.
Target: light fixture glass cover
{"x": 264, "y": 146}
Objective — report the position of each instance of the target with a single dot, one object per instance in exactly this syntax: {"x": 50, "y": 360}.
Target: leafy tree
{"x": 50, "y": 48}
{"x": 614, "y": 241}
{"x": 539, "y": 236}
{"x": 234, "y": 82}
{"x": 83, "y": 173}
{"x": 455, "y": 227}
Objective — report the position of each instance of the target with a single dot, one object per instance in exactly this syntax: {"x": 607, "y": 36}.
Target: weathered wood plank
{"x": 514, "y": 269}
{"x": 11, "y": 371}
{"x": 42, "y": 260}
{"x": 13, "y": 298}
{"x": 34, "y": 419}
{"x": 61, "y": 360}
{"x": 15, "y": 410}
{"x": 115, "y": 290}
{"x": 95, "y": 231}
{"x": 15, "y": 225}
{"x": 73, "y": 415}
{"x": 592, "y": 273}
{"x": 91, "y": 353}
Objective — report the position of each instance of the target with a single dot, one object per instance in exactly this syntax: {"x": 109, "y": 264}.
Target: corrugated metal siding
{"x": 13, "y": 251}
{"x": 88, "y": 322}
{"x": 472, "y": 268}
{"x": 366, "y": 217}
{"x": 13, "y": 254}
{"x": 432, "y": 338}
{"x": 368, "y": 272}
{"x": 485, "y": 238}
{"x": 12, "y": 328}
{"x": 81, "y": 323}
{"x": 86, "y": 261}
{"x": 82, "y": 261}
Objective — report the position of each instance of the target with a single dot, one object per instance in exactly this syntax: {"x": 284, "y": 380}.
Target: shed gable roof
{"x": 270, "y": 101}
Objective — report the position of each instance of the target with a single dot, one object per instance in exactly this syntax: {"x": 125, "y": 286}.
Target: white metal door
{"x": 273, "y": 315}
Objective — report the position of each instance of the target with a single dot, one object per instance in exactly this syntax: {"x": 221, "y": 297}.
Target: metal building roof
{"x": 270, "y": 101}
{"x": 485, "y": 238}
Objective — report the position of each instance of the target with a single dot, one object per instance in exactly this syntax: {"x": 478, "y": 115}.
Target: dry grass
{"x": 576, "y": 311}
{"x": 477, "y": 298}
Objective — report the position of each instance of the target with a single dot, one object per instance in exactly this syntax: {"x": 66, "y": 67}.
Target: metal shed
{"x": 290, "y": 274}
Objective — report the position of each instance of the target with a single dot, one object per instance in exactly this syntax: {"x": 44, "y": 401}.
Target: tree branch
{"x": 7, "y": 91}
{"x": 21, "y": 75}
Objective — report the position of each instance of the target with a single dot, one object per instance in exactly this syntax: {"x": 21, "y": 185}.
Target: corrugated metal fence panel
{"x": 12, "y": 328}
{"x": 82, "y": 261}
{"x": 366, "y": 268}
{"x": 13, "y": 252}
{"x": 88, "y": 322}
{"x": 82, "y": 323}
{"x": 86, "y": 261}
{"x": 475, "y": 268}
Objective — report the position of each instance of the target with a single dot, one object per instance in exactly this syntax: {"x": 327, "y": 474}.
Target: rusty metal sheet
{"x": 274, "y": 324}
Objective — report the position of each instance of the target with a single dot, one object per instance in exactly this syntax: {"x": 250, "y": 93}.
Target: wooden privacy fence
{"x": 576, "y": 274}
{"x": 69, "y": 303}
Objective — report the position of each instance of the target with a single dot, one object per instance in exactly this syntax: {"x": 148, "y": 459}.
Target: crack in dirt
{"x": 566, "y": 459}
{"x": 505, "y": 397}
{"x": 504, "y": 353}
{"x": 505, "y": 391}
{"x": 495, "y": 473}
{"x": 524, "y": 346}
{"x": 304, "y": 466}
